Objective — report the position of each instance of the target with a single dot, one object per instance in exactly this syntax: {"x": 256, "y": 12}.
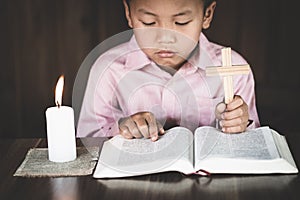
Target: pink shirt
{"x": 123, "y": 81}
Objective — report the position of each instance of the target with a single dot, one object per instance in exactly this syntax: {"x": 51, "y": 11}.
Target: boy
{"x": 157, "y": 80}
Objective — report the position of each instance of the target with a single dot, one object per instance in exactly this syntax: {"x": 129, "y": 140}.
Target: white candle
{"x": 60, "y": 129}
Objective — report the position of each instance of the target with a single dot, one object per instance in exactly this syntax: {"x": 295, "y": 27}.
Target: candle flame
{"x": 59, "y": 91}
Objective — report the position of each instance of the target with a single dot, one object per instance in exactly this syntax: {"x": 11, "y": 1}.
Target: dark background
{"x": 42, "y": 39}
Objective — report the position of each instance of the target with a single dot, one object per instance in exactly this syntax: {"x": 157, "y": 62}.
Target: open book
{"x": 257, "y": 151}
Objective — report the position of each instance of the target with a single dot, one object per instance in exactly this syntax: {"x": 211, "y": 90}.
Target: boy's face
{"x": 168, "y": 30}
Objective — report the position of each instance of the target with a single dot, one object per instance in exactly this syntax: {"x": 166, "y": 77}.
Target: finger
{"x": 153, "y": 129}
{"x": 160, "y": 128}
{"x": 239, "y": 112}
{"x": 235, "y": 129}
{"x": 234, "y": 122}
{"x": 237, "y": 102}
{"x": 143, "y": 127}
{"x": 220, "y": 108}
{"x": 125, "y": 132}
{"x": 132, "y": 128}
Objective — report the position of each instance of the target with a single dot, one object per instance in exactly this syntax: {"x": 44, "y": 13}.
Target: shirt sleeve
{"x": 245, "y": 87}
{"x": 100, "y": 112}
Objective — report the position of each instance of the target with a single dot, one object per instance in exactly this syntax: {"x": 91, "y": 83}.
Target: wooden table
{"x": 159, "y": 186}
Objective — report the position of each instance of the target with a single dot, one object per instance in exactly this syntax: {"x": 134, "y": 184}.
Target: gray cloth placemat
{"x": 36, "y": 164}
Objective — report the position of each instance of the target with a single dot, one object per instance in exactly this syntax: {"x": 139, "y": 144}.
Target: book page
{"x": 141, "y": 156}
{"x": 257, "y": 144}
{"x": 283, "y": 148}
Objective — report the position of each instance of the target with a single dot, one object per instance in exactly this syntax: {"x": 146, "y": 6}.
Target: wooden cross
{"x": 227, "y": 71}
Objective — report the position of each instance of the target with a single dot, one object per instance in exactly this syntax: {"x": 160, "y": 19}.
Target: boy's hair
{"x": 206, "y": 3}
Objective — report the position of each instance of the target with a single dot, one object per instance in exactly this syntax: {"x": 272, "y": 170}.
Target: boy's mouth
{"x": 166, "y": 54}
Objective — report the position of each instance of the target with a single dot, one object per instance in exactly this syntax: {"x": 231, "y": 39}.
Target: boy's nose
{"x": 166, "y": 36}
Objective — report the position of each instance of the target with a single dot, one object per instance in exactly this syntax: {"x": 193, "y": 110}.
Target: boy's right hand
{"x": 142, "y": 124}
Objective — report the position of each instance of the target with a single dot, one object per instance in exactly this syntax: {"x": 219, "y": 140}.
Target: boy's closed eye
{"x": 148, "y": 23}
{"x": 182, "y": 23}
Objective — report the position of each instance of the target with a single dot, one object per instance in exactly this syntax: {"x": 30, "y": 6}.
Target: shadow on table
{"x": 181, "y": 186}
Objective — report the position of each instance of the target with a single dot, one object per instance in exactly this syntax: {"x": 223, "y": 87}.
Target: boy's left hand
{"x": 233, "y": 117}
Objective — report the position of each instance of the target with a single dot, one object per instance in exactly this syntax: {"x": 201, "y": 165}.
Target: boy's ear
{"x": 127, "y": 13}
{"x": 208, "y": 15}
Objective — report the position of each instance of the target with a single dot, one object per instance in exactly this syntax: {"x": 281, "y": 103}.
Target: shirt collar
{"x": 135, "y": 58}
{"x": 202, "y": 57}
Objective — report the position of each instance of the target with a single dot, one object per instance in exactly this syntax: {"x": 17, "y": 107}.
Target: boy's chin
{"x": 169, "y": 63}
